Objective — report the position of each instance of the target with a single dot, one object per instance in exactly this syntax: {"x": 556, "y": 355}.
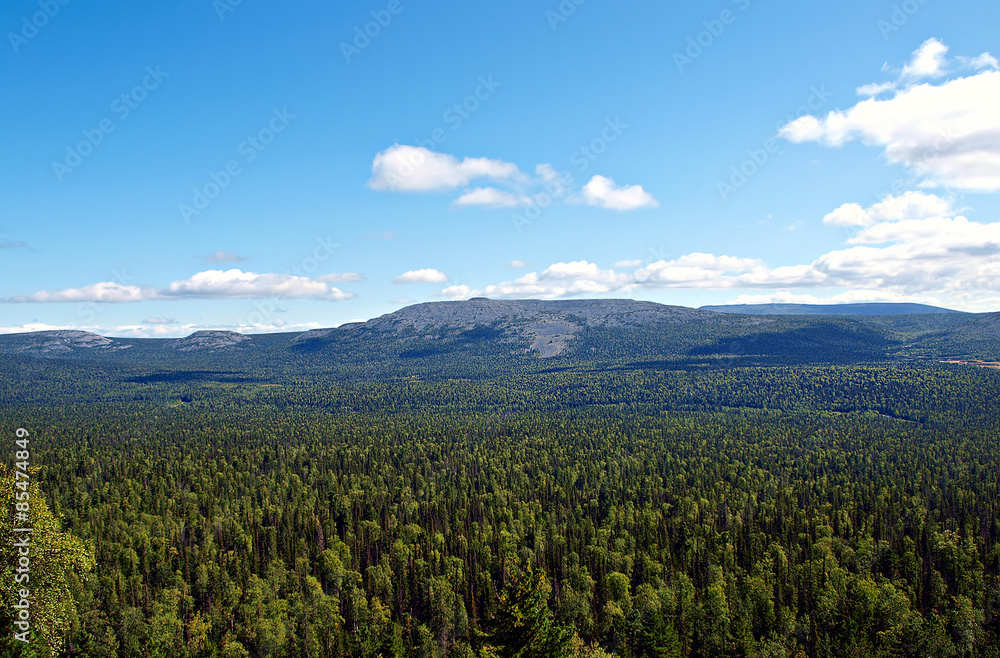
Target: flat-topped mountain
{"x": 486, "y": 334}
{"x": 53, "y": 342}
{"x": 208, "y": 340}
{"x": 546, "y": 325}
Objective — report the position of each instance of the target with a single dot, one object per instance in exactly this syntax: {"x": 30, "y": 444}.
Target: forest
{"x": 633, "y": 509}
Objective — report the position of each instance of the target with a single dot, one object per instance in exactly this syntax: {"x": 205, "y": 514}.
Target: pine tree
{"x": 524, "y": 626}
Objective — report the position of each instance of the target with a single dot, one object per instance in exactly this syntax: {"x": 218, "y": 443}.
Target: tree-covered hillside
{"x": 637, "y": 508}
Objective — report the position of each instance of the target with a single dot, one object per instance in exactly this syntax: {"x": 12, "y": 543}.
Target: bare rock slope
{"x": 548, "y": 326}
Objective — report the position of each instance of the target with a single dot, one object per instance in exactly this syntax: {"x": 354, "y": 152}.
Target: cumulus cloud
{"x": 403, "y": 168}
{"x": 909, "y": 205}
{"x": 558, "y": 280}
{"x": 603, "y": 193}
{"x": 629, "y": 263}
{"x": 427, "y": 275}
{"x": 910, "y": 247}
{"x": 105, "y": 291}
{"x": 210, "y": 284}
{"x": 237, "y": 284}
{"x": 490, "y": 197}
{"x": 928, "y": 61}
{"x": 517, "y": 264}
{"x": 948, "y": 133}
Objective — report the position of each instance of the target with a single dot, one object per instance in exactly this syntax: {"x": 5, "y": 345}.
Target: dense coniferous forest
{"x": 701, "y": 503}
{"x": 813, "y": 511}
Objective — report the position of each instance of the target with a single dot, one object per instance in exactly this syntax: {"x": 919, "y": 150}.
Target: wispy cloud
{"x": 224, "y": 257}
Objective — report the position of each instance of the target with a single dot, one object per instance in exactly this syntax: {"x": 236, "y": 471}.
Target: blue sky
{"x": 255, "y": 167}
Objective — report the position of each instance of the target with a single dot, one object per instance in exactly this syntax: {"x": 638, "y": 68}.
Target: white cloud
{"x": 558, "y": 280}
{"x": 456, "y": 292}
{"x": 947, "y": 133}
{"x": 237, "y": 284}
{"x": 490, "y": 197}
{"x": 928, "y": 61}
{"x": 983, "y": 61}
{"x": 629, "y": 263}
{"x": 210, "y": 284}
{"x": 403, "y": 168}
{"x": 160, "y": 321}
{"x": 909, "y": 205}
{"x": 602, "y": 192}
{"x": 698, "y": 270}
{"x": 906, "y": 250}
{"x": 106, "y": 291}
{"x": 341, "y": 277}
{"x": 516, "y": 264}
{"x": 42, "y": 326}
{"x": 426, "y": 275}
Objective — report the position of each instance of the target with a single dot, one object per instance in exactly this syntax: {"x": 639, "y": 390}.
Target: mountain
{"x": 867, "y": 308}
{"x": 483, "y": 337}
{"x": 547, "y": 327}
{"x": 54, "y": 343}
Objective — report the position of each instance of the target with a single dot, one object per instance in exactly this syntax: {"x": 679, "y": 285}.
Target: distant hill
{"x": 481, "y": 337}
{"x": 868, "y": 308}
